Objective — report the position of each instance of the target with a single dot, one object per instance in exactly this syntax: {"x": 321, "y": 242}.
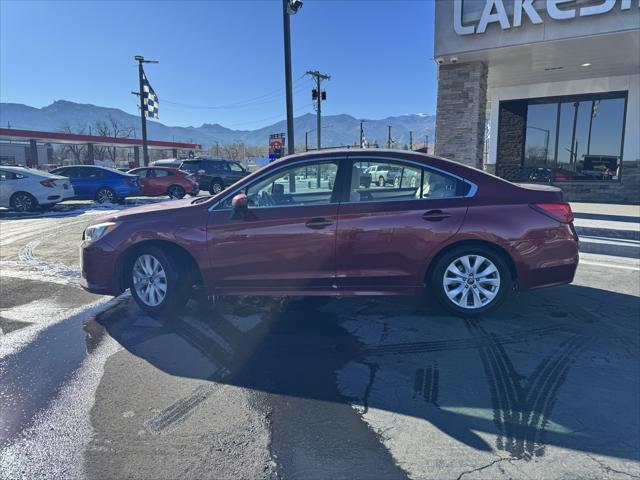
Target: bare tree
{"x": 111, "y": 127}
{"x": 77, "y": 151}
{"x": 233, "y": 151}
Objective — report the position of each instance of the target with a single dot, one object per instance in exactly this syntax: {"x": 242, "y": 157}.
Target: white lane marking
{"x": 609, "y": 265}
{"x": 43, "y": 314}
{"x": 54, "y": 446}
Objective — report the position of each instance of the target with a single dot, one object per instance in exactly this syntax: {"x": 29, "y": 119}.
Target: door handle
{"x": 318, "y": 223}
{"x": 435, "y": 215}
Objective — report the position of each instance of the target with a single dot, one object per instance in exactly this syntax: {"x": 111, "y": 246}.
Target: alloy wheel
{"x": 105, "y": 195}
{"x": 149, "y": 280}
{"x": 471, "y": 281}
{"x": 23, "y": 202}
{"x": 176, "y": 192}
{"x": 216, "y": 188}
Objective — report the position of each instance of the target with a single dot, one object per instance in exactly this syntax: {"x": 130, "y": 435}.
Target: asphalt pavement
{"x": 358, "y": 388}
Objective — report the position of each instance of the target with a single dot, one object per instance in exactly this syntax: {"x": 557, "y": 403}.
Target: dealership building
{"x": 543, "y": 91}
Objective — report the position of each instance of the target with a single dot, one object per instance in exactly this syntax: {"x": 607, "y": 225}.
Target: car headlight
{"x": 96, "y": 232}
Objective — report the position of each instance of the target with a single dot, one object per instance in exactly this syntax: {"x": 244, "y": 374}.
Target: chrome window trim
{"x": 471, "y": 193}
{"x": 264, "y": 174}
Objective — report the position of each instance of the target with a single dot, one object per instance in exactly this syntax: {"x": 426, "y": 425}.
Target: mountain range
{"x": 337, "y": 129}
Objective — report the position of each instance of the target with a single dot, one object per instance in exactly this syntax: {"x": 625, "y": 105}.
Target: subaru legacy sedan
{"x": 306, "y": 225}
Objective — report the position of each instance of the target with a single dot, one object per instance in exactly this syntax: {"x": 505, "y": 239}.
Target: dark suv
{"x": 214, "y": 174}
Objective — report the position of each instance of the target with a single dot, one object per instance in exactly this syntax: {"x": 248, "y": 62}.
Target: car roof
{"x": 204, "y": 159}
{"x": 28, "y": 171}
{"x": 15, "y": 168}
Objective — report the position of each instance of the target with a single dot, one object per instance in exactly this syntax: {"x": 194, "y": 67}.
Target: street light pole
{"x": 288, "y": 8}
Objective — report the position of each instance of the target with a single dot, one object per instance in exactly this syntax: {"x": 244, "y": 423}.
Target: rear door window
{"x": 383, "y": 180}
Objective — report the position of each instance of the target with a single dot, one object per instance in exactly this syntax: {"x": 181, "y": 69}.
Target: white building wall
{"x": 629, "y": 83}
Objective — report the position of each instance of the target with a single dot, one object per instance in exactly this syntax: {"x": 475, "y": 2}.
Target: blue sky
{"x": 216, "y": 53}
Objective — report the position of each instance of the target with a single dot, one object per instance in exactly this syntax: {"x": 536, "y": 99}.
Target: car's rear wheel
{"x": 216, "y": 187}
{"x": 155, "y": 281}
{"x": 381, "y": 182}
{"x": 176, "y": 191}
{"x": 471, "y": 280}
{"x": 23, "y": 202}
{"x": 105, "y": 195}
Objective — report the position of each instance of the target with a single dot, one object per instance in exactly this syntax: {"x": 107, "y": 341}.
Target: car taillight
{"x": 48, "y": 183}
{"x": 558, "y": 211}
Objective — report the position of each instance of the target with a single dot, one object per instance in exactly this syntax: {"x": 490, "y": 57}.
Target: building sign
{"x": 276, "y": 145}
{"x": 495, "y": 12}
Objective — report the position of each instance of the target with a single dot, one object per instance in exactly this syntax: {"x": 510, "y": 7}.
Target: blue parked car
{"x": 101, "y": 184}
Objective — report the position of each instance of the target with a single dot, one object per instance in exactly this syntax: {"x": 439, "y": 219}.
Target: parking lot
{"x": 375, "y": 388}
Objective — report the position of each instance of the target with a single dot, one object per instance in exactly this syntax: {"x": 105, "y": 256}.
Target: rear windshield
{"x": 191, "y": 167}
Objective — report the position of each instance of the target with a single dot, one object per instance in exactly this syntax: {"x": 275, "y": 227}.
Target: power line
{"x": 259, "y": 100}
{"x": 306, "y": 107}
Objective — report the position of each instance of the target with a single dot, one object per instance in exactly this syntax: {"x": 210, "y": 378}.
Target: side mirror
{"x": 240, "y": 207}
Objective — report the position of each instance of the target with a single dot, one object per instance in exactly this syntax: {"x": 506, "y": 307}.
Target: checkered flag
{"x": 149, "y": 99}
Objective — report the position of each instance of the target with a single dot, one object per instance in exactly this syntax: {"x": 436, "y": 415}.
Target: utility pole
{"x": 289, "y": 7}
{"x": 389, "y": 137}
{"x": 319, "y": 96}
{"x": 143, "y": 113}
{"x": 426, "y": 144}
{"x": 410, "y": 140}
{"x": 361, "y": 134}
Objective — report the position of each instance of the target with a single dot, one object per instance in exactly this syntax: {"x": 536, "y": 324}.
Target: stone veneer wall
{"x": 627, "y": 190}
{"x": 460, "y": 121}
{"x": 511, "y": 134}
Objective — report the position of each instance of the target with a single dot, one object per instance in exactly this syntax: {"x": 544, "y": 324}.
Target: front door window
{"x": 306, "y": 184}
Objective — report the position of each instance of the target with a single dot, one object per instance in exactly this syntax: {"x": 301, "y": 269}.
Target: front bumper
{"x": 99, "y": 269}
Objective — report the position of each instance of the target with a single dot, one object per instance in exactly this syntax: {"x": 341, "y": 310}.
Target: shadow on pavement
{"x": 556, "y": 367}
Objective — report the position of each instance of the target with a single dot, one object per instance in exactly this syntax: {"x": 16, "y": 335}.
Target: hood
{"x": 159, "y": 208}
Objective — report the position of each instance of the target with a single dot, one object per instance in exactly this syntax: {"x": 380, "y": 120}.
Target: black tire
{"x": 176, "y": 191}
{"x": 381, "y": 182}
{"x": 504, "y": 277}
{"x": 23, "y": 202}
{"x": 105, "y": 195}
{"x": 216, "y": 187}
{"x": 177, "y": 281}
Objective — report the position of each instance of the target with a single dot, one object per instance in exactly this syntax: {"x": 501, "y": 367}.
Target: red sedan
{"x": 306, "y": 225}
{"x": 166, "y": 181}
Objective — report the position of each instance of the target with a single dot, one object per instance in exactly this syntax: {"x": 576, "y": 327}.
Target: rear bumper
{"x": 550, "y": 261}
{"x": 98, "y": 269}
{"x": 125, "y": 191}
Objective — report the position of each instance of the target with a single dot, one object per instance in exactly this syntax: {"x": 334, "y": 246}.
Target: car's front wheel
{"x": 472, "y": 280}
{"x": 155, "y": 281}
{"x": 216, "y": 187}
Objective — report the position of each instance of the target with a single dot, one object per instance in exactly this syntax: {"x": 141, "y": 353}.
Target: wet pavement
{"x": 371, "y": 388}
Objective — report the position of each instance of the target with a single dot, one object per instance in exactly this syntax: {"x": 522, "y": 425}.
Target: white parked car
{"x": 23, "y": 189}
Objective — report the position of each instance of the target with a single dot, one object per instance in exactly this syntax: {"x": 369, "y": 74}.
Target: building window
{"x": 562, "y": 139}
